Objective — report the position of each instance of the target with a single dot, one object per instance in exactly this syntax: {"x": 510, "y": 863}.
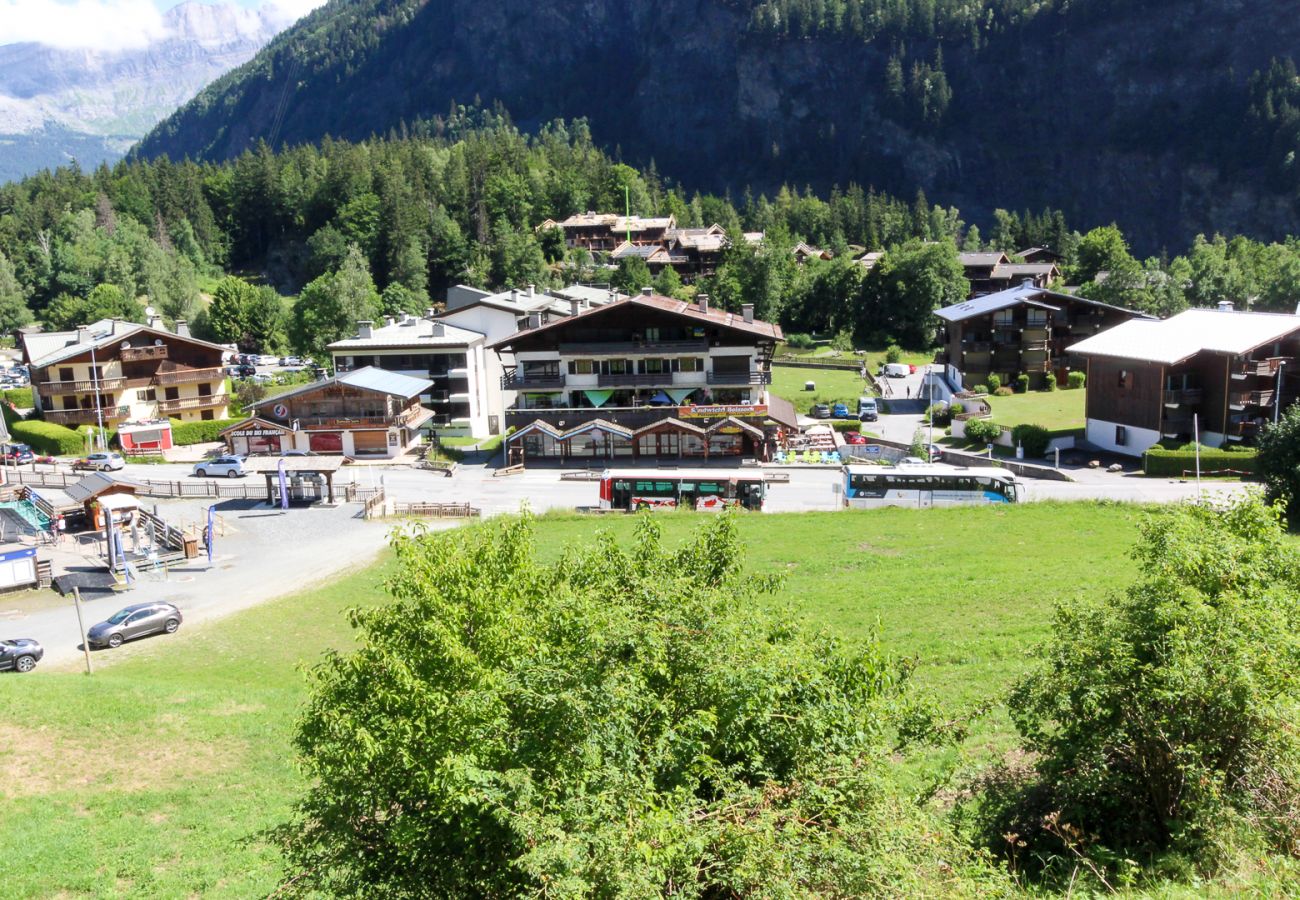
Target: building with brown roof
{"x": 649, "y": 376}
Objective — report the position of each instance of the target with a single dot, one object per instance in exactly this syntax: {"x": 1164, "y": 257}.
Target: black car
{"x": 18, "y": 453}
{"x": 20, "y": 655}
{"x": 137, "y": 620}
{"x": 247, "y": 371}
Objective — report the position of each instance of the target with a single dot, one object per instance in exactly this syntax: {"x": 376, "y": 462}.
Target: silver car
{"x": 222, "y": 466}
{"x": 137, "y": 620}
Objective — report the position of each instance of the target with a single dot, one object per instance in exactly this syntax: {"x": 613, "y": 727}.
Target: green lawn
{"x": 158, "y": 775}
{"x": 1051, "y": 409}
{"x": 833, "y": 386}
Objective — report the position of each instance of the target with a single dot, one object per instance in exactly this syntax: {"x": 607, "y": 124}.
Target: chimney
{"x": 647, "y": 291}
{"x": 389, "y": 320}
{"x": 703, "y": 300}
{"x": 153, "y": 320}
{"x": 1225, "y": 306}
{"x": 1027, "y": 282}
{"x": 747, "y": 311}
{"x": 430, "y": 312}
{"x": 534, "y": 320}
{"x": 532, "y": 291}
{"x": 83, "y": 333}
{"x": 365, "y": 329}
{"x": 182, "y": 328}
{"x": 514, "y": 296}
{"x": 438, "y": 330}
{"x": 573, "y": 306}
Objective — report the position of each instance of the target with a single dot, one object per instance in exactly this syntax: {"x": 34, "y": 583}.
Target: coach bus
{"x": 924, "y": 486}
{"x": 704, "y": 489}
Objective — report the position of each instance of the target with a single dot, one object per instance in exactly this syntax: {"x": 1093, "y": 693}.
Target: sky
{"x": 110, "y": 24}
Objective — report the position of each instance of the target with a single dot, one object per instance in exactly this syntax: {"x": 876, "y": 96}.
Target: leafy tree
{"x": 631, "y": 275}
{"x": 329, "y": 308}
{"x": 14, "y": 311}
{"x": 1102, "y": 250}
{"x": 1163, "y": 718}
{"x": 105, "y": 301}
{"x": 230, "y": 309}
{"x": 621, "y": 722}
{"x": 668, "y": 282}
{"x": 1279, "y": 461}
{"x": 901, "y": 293}
{"x": 397, "y": 300}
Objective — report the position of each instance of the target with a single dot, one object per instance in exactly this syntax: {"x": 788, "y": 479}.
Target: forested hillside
{"x": 322, "y": 236}
{"x": 1171, "y": 117}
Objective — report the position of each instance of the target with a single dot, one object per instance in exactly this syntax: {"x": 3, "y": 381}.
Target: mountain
{"x": 1157, "y": 114}
{"x": 92, "y": 105}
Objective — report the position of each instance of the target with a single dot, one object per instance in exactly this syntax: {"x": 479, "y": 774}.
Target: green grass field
{"x": 833, "y": 386}
{"x": 159, "y": 775}
{"x": 1051, "y": 409}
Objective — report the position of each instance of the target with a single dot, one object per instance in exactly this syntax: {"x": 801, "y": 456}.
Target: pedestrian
{"x": 909, "y": 392}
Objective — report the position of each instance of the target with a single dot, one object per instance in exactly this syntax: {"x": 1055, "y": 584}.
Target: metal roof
{"x": 981, "y": 306}
{"x": 1188, "y": 333}
{"x": 59, "y": 345}
{"x": 412, "y": 332}
{"x": 96, "y": 483}
{"x": 367, "y": 379}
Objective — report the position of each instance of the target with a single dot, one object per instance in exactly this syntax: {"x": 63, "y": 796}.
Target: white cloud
{"x": 286, "y": 12}
{"x": 81, "y": 24}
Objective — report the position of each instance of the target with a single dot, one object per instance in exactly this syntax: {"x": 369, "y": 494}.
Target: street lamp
{"x": 1277, "y": 396}
{"x": 99, "y": 410}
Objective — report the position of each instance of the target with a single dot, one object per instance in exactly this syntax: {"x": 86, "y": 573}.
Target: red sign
{"x": 719, "y": 412}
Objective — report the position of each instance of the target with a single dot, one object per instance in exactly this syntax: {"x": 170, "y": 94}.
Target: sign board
{"x": 719, "y": 412}
{"x": 280, "y": 411}
{"x": 257, "y": 432}
{"x": 872, "y": 449}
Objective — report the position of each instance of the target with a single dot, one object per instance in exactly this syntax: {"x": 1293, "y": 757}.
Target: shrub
{"x": 1162, "y": 719}
{"x": 1279, "y": 462}
{"x": 800, "y": 341}
{"x": 1162, "y": 462}
{"x": 1034, "y": 438}
{"x": 1076, "y": 380}
{"x": 1049, "y": 383}
{"x": 186, "y": 433}
{"x": 939, "y": 413}
{"x": 20, "y": 397}
{"x": 1022, "y": 383}
{"x": 47, "y": 438}
{"x": 848, "y": 424}
{"x": 893, "y": 353}
{"x": 955, "y": 407}
{"x": 981, "y": 389}
{"x": 843, "y": 342}
{"x": 995, "y": 382}
{"x": 1003, "y": 392}
{"x": 983, "y": 431}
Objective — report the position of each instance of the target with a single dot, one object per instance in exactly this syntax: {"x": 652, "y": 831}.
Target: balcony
{"x": 626, "y": 380}
{"x": 1005, "y": 336}
{"x": 84, "y": 416}
{"x": 515, "y": 381}
{"x": 1039, "y": 346}
{"x": 185, "y": 404}
{"x": 189, "y": 376}
{"x": 143, "y": 354}
{"x": 634, "y": 348}
{"x": 1267, "y": 367}
{"x": 1243, "y": 428}
{"x": 1183, "y": 397}
{"x": 50, "y": 388}
{"x": 1244, "y": 399}
{"x": 723, "y": 378}
{"x": 976, "y": 346}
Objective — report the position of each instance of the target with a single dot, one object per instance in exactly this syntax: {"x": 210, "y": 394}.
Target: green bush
{"x": 20, "y": 397}
{"x": 983, "y": 431}
{"x": 799, "y": 341}
{"x": 1076, "y": 380}
{"x": 846, "y": 424}
{"x": 1050, "y": 381}
{"x": 843, "y": 342}
{"x": 1162, "y": 462}
{"x": 981, "y": 389}
{"x": 1003, "y": 392}
{"x": 893, "y": 353}
{"x": 186, "y": 433}
{"x": 1034, "y": 438}
{"x": 939, "y": 413}
{"x": 47, "y": 438}
{"x": 1022, "y": 383}
{"x": 995, "y": 382}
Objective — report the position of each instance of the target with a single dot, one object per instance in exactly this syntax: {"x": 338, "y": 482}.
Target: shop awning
{"x": 599, "y": 398}
{"x": 731, "y": 424}
{"x": 679, "y": 395}
{"x": 597, "y": 425}
{"x": 661, "y": 398}
{"x": 537, "y": 425}
{"x": 669, "y": 425}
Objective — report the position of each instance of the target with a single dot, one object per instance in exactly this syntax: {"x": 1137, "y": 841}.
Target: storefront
{"x": 257, "y": 437}
{"x": 153, "y": 436}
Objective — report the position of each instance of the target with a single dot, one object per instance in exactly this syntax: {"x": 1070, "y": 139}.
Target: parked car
{"x": 259, "y": 378}
{"x": 18, "y": 453}
{"x": 854, "y": 437}
{"x": 247, "y": 371}
{"x": 136, "y": 620}
{"x": 820, "y": 411}
{"x": 897, "y": 370}
{"x": 911, "y": 461}
{"x": 299, "y": 453}
{"x": 20, "y": 655}
{"x": 867, "y": 409}
{"x": 290, "y": 361}
{"x": 100, "y": 462}
{"x": 936, "y": 452}
{"x": 840, "y": 411}
{"x": 222, "y": 466}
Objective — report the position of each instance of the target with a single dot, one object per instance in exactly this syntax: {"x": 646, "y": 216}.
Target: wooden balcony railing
{"x": 138, "y": 354}
{"x": 1268, "y": 366}
{"x": 1183, "y": 397}
{"x": 189, "y": 376}
{"x": 85, "y": 416}
{"x": 50, "y": 388}
{"x": 187, "y": 403}
{"x": 1243, "y": 399}
{"x": 515, "y": 381}
{"x": 740, "y": 378}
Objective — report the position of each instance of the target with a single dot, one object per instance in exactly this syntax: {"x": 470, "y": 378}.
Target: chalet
{"x": 804, "y": 252}
{"x": 364, "y": 413}
{"x": 1040, "y": 255}
{"x": 991, "y": 272}
{"x": 603, "y": 232}
{"x": 691, "y": 252}
{"x": 1024, "y": 329}
{"x": 646, "y": 376}
{"x": 129, "y": 377}
{"x": 1216, "y": 372}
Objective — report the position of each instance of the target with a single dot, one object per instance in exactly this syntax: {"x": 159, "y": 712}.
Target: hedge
{"x": 1034, "y": 438}
{"x": 48, "y": 438}
{"x": 20, "y": 397}
{"x": 845, "y": 424}
{"x": 1160, "y": 462}
{"x": 186, "y": 433}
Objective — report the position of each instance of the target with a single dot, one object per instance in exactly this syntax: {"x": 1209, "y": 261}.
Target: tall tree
{"x": 329, "y": 308}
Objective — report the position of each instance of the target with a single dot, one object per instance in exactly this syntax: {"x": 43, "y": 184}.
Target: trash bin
{"x": 810, "y": 385}
{"x": 191, "y": 547}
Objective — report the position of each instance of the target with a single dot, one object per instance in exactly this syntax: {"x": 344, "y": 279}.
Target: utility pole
{"x": 1277, "y": 395}
{"x": 81, "y": 624}
{"x": 99, "y": 409}
{"x": 627, "y": 211}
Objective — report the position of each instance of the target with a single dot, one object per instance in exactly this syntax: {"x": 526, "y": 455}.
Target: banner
{"x": 719, "y": 412}
{"x": 599, "y": 398}
{"x": 212, "y": 532}
{"x": 284, "y": 486}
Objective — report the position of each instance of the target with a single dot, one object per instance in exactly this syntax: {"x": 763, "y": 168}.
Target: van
{"x": 897, "y": 370}
{"x": 867, "y": 411}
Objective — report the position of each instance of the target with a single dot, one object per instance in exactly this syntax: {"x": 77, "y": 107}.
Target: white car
{"x": 101, "y": 462}
{"x": 228, "y": 466}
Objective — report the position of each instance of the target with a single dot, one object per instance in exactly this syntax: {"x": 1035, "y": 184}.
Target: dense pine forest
{"x": 386, "y": 225}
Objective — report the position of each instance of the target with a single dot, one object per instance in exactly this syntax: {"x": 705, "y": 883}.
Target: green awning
{"x": 599, "y": 398}
{"x": 679, "y": 395}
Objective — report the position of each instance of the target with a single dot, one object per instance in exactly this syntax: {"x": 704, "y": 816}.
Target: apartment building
{"x": 1217, "y": 373}
{"x": 125, "y": 374}
{"x": 645, "y": 376}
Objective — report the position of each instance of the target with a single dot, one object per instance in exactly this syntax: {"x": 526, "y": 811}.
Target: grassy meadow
{"x": 159, "y": 775}
{"x": 1051, "y": 409}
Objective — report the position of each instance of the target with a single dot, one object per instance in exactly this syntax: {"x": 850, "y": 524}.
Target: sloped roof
{"x": 368, "y": 378}
{"x": 1029, "y": 295}
{"x": 96, "y": 483}
{"x": 982, "y": 258}
{"x": 1188, "y": 333}
{"x": 717, "y": 317}
{"x": 413, "y": 332}
{"x": 45, "y": 348}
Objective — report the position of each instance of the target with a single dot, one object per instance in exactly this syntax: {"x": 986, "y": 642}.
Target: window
{"x": 96, "y": 373}
{"x": 1004, "y": 317}
{"x": 1121, "y": 436}
{"x": 1123, "y": 379}
{"x": 690, "y": 364}
{"x": 171, "y": 393}
{"x": 652, "y": 334}
{"x": 582, "y": 367}
{"x": 65, "y": 374}
{"x": 1036, "y": 317}
{"x": 148, "y": 395}
{"x": 205, "y": 390}
{"x": 207, "y": 415}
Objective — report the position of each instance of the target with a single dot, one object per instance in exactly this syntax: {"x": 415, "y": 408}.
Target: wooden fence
{"x": 209, "y": 488}
{"x": 375, "y": 505}
{"x": 437, "y": 510}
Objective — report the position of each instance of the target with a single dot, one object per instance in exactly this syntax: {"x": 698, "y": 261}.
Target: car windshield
{"x": 119, "y": 617}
